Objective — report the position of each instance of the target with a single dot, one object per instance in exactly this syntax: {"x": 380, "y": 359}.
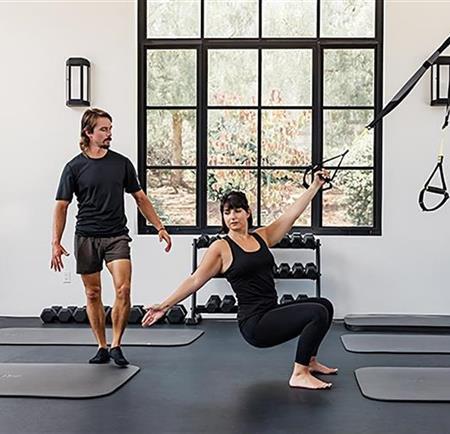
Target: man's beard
{"x": 105, "y": 145}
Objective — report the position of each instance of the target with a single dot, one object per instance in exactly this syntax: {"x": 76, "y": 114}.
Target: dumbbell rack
{"x": 195, "y": 317}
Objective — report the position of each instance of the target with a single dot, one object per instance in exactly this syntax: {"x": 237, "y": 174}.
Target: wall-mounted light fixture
{"x": 440, "y": 77}
{"x": 78, "y": 82}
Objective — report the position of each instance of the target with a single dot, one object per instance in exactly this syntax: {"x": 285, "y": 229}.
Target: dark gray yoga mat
{"x": 84, "y": 336}
{"x": 404, "y": 384}
{"x": 398, "y": 322}
{"x": 392, "y": 343}
{"x": 58, "y": 380}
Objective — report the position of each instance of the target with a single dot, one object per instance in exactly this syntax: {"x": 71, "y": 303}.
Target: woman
{"x": 245, "y": 260}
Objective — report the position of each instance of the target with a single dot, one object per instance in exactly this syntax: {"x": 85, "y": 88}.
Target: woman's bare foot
{"x": 301, "y": 377}
{"x": 315, "y": 366}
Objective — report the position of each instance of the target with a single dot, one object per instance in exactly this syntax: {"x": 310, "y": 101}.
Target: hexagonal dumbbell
{"x": 80, "y": 315}
{"x": 176, "y": 314}
{"x": 227, "y": 304}
{"x": 136, "y": 314}
{"x": 298, "y": 270}
{"x": 311, "y": 271}
{"x": 286, "y": 298}
{"x": 213, "y": 304}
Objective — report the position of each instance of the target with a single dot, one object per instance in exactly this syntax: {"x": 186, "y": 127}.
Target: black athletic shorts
{"x": 90, "y": 252}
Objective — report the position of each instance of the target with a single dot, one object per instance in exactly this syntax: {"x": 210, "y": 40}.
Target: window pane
{"x": 232, "y": 77}
{"x": 348, "y": 77}
{"x": 171, "y": 77}
{"x": 231, "y": 19}
{"x": 350, "y": 201}
{"x": 287, "y": 77}
{"x": 220, "y": 181}
{"x": 279, "y": 189}
{"x": 171, "y": 137}
{"x": 232, "y": 137}
{"x": 345, "y": 129}
{"x": 173, "y": 18}
{"x": 289, "y": 18}
{"x": 172, "y": 192}
{"x": 286, "y": 137}
{"x": 342, "y": 18}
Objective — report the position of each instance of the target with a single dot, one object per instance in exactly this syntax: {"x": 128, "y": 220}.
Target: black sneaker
{"x": 102, "y": 356}
{"x": 118, "y": 357}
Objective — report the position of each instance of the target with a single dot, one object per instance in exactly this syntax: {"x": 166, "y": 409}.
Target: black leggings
{"x": 309, "y": 319}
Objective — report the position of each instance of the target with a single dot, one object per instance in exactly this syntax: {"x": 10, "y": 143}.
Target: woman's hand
{"x": 154, "y": 313}
{"x": 321, "y": 177}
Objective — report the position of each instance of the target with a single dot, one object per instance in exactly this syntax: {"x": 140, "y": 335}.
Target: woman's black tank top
{"x": 251, "y": 277}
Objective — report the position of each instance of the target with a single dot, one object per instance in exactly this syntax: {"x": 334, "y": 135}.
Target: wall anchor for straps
{"x": 311, "y": 170}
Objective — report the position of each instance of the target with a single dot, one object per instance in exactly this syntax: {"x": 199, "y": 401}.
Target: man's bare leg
{"x": 120, "y": 270}
{"x": 94, "y": 306}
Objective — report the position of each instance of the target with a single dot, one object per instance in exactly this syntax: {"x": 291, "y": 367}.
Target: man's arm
{"x": 147, "y": 210}
{"x": 59, "y": 223}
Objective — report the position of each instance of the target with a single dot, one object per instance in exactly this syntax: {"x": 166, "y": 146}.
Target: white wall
{"x": 402, "y": 271}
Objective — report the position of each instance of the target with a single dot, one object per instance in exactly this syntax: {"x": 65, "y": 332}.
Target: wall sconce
{"x": 78, "y": 82}
{"x": 440, "y": 77}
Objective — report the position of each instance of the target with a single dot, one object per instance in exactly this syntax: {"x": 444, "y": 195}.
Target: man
{"x": 98, "y": 177}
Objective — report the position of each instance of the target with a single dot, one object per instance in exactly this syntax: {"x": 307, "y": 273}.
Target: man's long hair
{"x": 88, "y": 122}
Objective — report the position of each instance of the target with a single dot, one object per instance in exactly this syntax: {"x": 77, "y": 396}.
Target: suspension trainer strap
{"x": 311, "y": 171}
{"x": 442, "y": 191}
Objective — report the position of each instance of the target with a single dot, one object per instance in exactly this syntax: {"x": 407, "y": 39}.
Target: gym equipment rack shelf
{"x": 204, "y": 241}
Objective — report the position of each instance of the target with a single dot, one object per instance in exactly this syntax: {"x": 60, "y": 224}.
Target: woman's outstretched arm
{"x": 274, "y": 232}
{"x": 209, "y": 267}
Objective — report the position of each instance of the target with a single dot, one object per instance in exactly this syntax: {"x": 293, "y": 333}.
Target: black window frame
{"x": 318, "y": 45}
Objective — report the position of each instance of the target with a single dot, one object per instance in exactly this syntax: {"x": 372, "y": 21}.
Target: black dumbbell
{"x": 310, "y": 241}
{"x": 227, "y": 304}
{"x": 80, "y": 315}
{"x": 311, "y": 271}
{"x": 297, "y": 241}
{"x": 203, "y": 241}
{"x": 298, "y": 270}
{"x": 301, "y": 297}
{"x": 286, "y": 298}
{"x": 48, "y": 315}
{"x": 285, "y": 242}
{"x": 136, "y": 314}
{"x": 65, "y": 315}
{"x": 284, "y": 270}
{"x": 176, "y": 314}
{"x": 213, "y": 304}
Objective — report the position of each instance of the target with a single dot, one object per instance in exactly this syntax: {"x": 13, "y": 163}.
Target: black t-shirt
{"x": 99, "y": 186}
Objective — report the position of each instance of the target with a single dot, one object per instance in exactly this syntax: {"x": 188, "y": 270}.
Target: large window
{"x": 245, "y": 95}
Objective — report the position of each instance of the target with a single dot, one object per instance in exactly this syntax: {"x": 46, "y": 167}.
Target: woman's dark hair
{"x": 234, "y": 200}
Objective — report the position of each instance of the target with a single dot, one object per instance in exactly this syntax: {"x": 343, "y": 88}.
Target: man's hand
{"x": 164, "y": 235}
{"x": 57, "y": 251}
{"x": 154, "y": 313}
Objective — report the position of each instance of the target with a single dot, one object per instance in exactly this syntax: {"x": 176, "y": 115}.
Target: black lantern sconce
{"x": 78, "y": 82}
{"x": 440, "y": 77}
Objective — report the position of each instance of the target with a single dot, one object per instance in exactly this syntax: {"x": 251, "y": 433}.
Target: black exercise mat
{"x": 398, "y": 322}
{"x": 60, "y": 380}
{"x": 84, "y": 336}
{"x": 391, "y": 343}
{"x": 404, "y": 383}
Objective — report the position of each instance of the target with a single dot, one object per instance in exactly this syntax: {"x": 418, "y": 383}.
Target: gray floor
{"x": 220, "y": 384}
